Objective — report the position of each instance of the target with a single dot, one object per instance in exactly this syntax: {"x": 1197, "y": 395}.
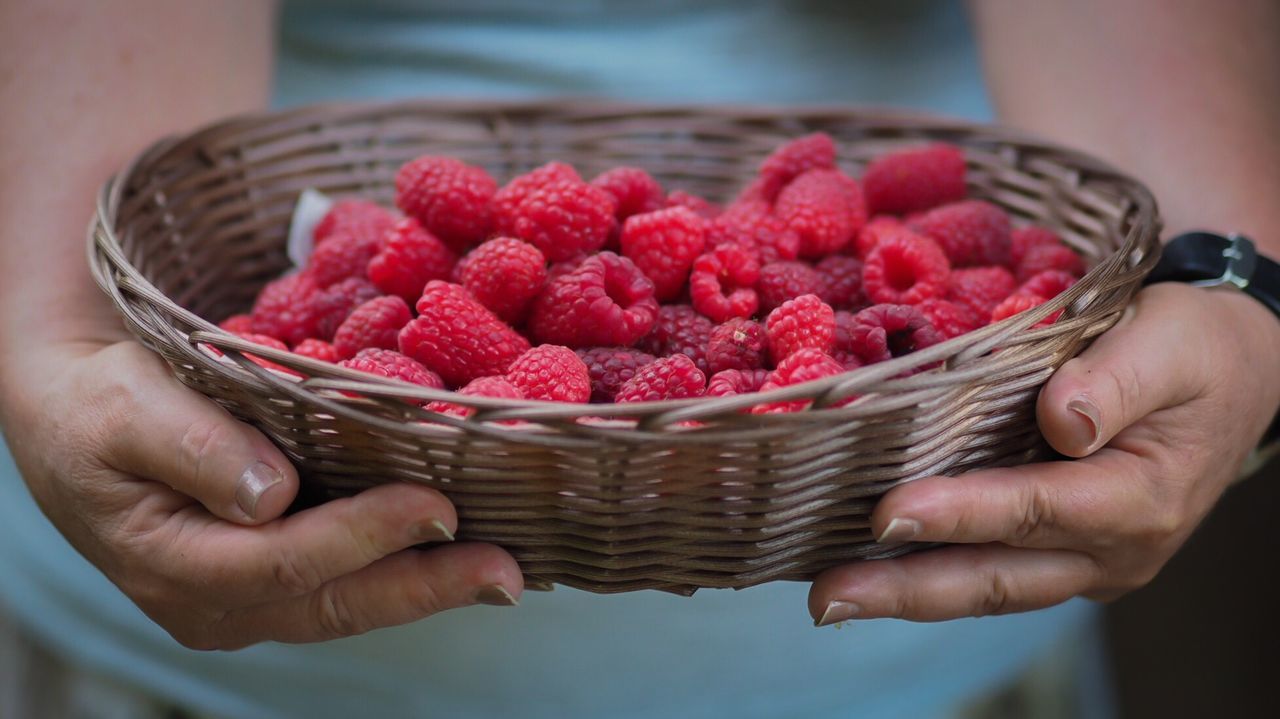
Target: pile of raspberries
{"x": 553, "y": 287}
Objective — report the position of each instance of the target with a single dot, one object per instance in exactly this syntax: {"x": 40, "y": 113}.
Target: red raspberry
{"x": 265, "y": 341}
{"x": 1022, "y": 239}
{"x": 609, "y": 367}
{"x": 1049, "y": 257}
{"x": 789, "y": 161}
{"x": 564, "y": 267}
{"x": 679, "y": 329}
{"x": 949, "y": 318}
{"x": 331, "y": 306}
{"x": 754, "y": 226}
{"x": 410, "y": 258}
{"x": 664, "y": 244}
{"x": 841, "y": 278}
{"x": 552, "y": 373}
{"x": 459, "y": 338}
{"x": 980, "y": 288}
{"x": 606, "y": 301}
{"x": 1022, "y": 302}
{"x": 281, "y": 310}
{"x": 317, "y": 349}
{"x": 881, "y": 332}
{"x": 494, "y": 386}
{"x": 805, "y": 365}
{"x": 361, "y": 218}
{"x": 634, "y": 191}
{"x": 342, "y": 256}
{"x": 374, "y": 324}
{"x": 737, "y": 344}
{"x": 905, "y": 268}
{"x": 843, "y": 352}
{"x": 722, "y": 284}
{"x": 564, "y": 218}
{"x": 237, "y": 324}
{"x": 971, "y": 232}
{"x": 505, "y": 275}
{"x": 803, "y": 322}
{"x": 876, "y": 229}
{"x": 701, "y": 207}
{"x": 392, "y": 364}
{"x": 510, "y": 197}
{"x": 782, "y": 281}
{"x": 449, "y": 197}
{"x": 914, "y": 179}
{"x": 824, "y": 208}
{"x": 733, "y": 382}
{"x": 674, "y": 377}
{"x": 1048, "y": 284}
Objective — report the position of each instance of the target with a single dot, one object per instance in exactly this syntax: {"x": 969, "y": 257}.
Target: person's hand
{"x": 1164, "y": 408}
{"x": 180, "y": 506}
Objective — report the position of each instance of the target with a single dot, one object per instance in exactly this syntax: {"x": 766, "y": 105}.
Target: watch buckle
{"x": 1241, "y": 258}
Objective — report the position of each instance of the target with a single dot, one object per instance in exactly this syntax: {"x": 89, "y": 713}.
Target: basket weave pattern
{"x": 667, "y": 495}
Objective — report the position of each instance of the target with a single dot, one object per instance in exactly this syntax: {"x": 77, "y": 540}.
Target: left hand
{"x": 1162, "y": 409}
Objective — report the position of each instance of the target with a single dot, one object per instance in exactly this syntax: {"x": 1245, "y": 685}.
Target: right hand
{"x": 180, "y": 506}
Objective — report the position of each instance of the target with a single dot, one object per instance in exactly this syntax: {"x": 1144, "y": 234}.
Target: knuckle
{"x": 997, "y": 594}
{"x": 294, "y": 573}
{"x": 1037, "y": 514}
{"x": 334, "y": 615}
{"x": 202, "y": 439}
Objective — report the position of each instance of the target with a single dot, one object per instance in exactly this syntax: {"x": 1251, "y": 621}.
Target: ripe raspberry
{"x": 679, "y": 329}
{"x": 265, "y": 341}
{"x": 392, "y": 364}
{"x": 280, "y": 310}
{"x": 737, "y": 344}
{"x": 361, "y": 218}
{"x": 841, "y": 278}
{"x": 494, "y": 386}
{"x": 507, "y": 199}
{"x": 609, "y": 367}
{"x": 564, "y": 218}
{"x": 674, "y": 377}
{"x": 949, "y": 318}
{"x": 606, "y": 301}
{"x": 331, "y": 306}
{"x": 410, "y": 258}
{"x": 876, "y": 229}
{"x": 664, "y": 244}
{"x": 803, "y": 322}
{"x": 805, "y": 365}
{"x": 457, "y": 337}
{"x": 980, "y": 288}
{"x": 1021, "y": 302}
{"x": 782, "y": 281}
{"x": 237, "y": 324}
{"x": 317, "y": 349}
{"x": 700, "y": 206}
{"x": 914, "y": 179}
{"x": 732, "y": 382}
{"x": 905, "y": 268}
{"x": 341, "y": 257}
{"x": 374, "y": 324}
{"x": 843, "y": 351}
{"x": 634, "y": 191}
{"x": 1049, "y": 257}
{"x": 505, "y": 275}
{"x": 754, "y": 226}
{"x": 971, "y": 232}
{"x": 722, "y": 284}
{"x": 824, "y": 208}
{"x": 449, "y": 197}
{"x": 552, "y": 373}
{"x": 1022, "y": 239}
{"x": 564, "y": 267}
{"x": 816, "y": 151}
{"x": 1048, "y": 284}
{"x": 881, "y": 332}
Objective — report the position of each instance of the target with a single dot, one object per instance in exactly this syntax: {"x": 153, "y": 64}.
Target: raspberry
{"x": 881, "y": 332}
{"x": 824, "y": 208}
{"x": 737, "y": 344}
{"x": 342, "y": 256}
{"x": 280, "y": 311}
{"x": 803, "y": 322}
{"x": 674, "y": 377}
{"x": 905, "y": 268}
{"x": 236, "y": 324}
{"x": 459, "y": 338}
{"x": 317, "y": 349}
{"x": 265, "y": 341}
{"x": 679, "y": 329}
{"x": 732, "y": 382}
{"x": 1022, "y": 239}
{"x": 843, "y": 351}
{"x": 609, "y": 367}
{"x": 841, "y": 278}
{"x": 915, "y": 179}
{"x": 392, "y": 364}
{"x": 563, "y": 218}
{"x": 753, "y": 226}
{"x": 949, "y": 318}
{"x": 664, "y": 244}
{"x": 606, "y": 301}
{"x": 1048, "y": 284}
{"x": 361, "y": 218}
{"x": 701, "y": 207}
{"x": 805, "y": 365}
{"x": 374, "y": 324}
{"x": 980, "y": 288}
{"x": 449, "y": 197}
{"x": 552, "y": 373}
{"x": 972, "y": 232}
{"x": 876, "y": 229}
{"x": 723, "y": 281}
{"x": 789, "y": 161}
{"x": 507, "y": 199}
{"x": 1022, "y": 302}
{"x": 1049, "y": 257}
{"x": 409, "y": 259}
{"x": 505, "y": 275}
{"x": 331, "y": 306}
{"x": 782, "y": 281}
{"x": 564, "y": 267}
{"x": 634, "y": 191}
{"x": 493, "y": 386}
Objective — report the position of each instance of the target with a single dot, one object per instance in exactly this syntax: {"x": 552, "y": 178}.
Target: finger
{"x": 398, "y": 589}
{"x": 1146, "y": 362}
{"x": 951, "y": 582}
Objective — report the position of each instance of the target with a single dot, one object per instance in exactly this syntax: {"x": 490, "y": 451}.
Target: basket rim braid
{"x": 671, "y": 495}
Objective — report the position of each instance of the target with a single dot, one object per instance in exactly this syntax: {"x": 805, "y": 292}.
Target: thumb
{"x": 1149, "y": 361}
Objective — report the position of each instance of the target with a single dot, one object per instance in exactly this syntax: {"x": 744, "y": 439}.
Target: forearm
{"x": 1184, "y": 95}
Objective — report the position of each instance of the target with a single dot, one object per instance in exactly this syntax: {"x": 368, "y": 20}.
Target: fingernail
{"x": 900, "y": 529}
{"x": 254, "y": 483}
{"x": 1092, "y": 417}
{"x": 837, "y": 611}
{"x": 432, "y": 531}
{"x": 496, "y": 595}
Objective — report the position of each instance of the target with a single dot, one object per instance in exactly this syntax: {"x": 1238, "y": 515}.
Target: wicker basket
{"x": 667, "y": 495}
